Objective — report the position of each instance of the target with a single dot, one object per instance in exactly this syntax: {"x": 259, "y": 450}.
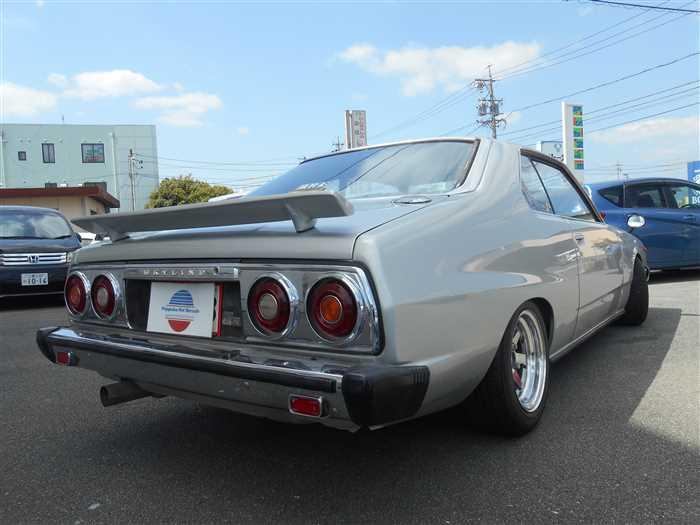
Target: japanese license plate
{"x": 35, "y": 279}
{"x": 181, "y": 308}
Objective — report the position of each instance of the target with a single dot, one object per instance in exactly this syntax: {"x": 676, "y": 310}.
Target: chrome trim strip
{"x": 88, "y": 296}
{"x": 293, "y": 296}
{"x": 26, "y": 259}
{"x": 117, "y": 297}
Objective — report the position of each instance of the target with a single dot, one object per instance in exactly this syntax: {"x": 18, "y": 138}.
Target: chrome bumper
{"x": 353, "y": 397}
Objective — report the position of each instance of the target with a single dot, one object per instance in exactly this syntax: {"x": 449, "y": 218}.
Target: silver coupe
{"x": 359, "y": 289}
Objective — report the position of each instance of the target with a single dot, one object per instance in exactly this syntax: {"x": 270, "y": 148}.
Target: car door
{"x": 599, "y": 248}
{"x": 684, "y": 204}
{"x": 665, "y": 234}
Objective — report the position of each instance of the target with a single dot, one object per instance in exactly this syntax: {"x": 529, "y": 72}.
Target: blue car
{"x": 663, "y": 213}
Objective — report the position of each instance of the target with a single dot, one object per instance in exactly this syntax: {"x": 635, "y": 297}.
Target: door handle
{"x": 689, "y": 218}
{"x": 579, "y": 237}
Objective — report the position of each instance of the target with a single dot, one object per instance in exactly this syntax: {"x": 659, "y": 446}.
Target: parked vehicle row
{"x": 359, "y": 289}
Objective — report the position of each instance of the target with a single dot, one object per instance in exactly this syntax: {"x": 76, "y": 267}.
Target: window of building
{"x": 21, "y": 155}
{"x": 532, "y": 187}
{"x": 48, "y": 153}
{"x": 565, "y": 199}
{"x": 93, "y": 153}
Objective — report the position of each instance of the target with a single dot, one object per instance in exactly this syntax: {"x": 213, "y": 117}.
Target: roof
{"x": 615, "y": 182}
{"x": 96, "y": 192}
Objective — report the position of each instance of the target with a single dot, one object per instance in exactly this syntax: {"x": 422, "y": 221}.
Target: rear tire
{"x": 637, "y": 305}
{"x": 511, "y": 397}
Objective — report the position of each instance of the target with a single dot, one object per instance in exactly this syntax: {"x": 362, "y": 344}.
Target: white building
{"x": 34, "y": 155}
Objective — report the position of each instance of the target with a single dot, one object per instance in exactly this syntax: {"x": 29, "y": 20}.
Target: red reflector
{"x": 65, "y": 358}
{"x": 602, "y": 215}
{"x": 306, "y": 406}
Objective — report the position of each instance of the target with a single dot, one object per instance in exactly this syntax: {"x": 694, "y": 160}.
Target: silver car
{"x": 361, "y": 288}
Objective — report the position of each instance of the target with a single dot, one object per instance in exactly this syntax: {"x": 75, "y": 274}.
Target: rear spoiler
{"x": 302, "y": 208}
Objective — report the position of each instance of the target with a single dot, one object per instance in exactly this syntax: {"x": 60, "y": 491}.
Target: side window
{"x": 532, "y": 187}
{"x": 683, "y": 196}
{"x": 613, "y": 194}
{"x": 644, "y": 196}
{"x": 565, "y": 199}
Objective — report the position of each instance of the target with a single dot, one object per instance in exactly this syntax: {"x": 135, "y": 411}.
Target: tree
{"x": 184, "y": 190}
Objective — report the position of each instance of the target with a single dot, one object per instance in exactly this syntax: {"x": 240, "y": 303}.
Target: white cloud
{"x": 183, "y": 110}
{"x": 40, "y": 3}
{"x": 584, "y": 10}
{"x": 657, "y": 128}
{"x": 513, "y": 117}
{"x": 116, "y": 83}
{"x": 22, "y": 101}
{"x": 58, "y": 80}
{"x": 422, "y": 69}
{"x": 243, "y": 130}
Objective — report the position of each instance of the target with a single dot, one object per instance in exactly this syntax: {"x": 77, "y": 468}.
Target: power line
{"x": 582, "y": 39}
{"x": 644, "y": 117}
{"x": 607, "y": 115}
{"x": 524, "y": 71}
{"x": 608, "y": 83}
{"x": 276, "y": 161}
{"x": 643, "y": 6}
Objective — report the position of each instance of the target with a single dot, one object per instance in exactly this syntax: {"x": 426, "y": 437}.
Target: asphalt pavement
{"x": 619, "y": 442}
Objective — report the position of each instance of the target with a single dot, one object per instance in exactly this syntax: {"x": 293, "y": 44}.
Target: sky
{"x": 240, "y": 90}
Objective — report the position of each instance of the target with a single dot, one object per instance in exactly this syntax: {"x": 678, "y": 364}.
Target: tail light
{"x": 270, "y": 305}
{"x": 602, "y": 214}
{"x": 332, "y": 309}
{"x": 76, "y": 294}
{"x": 104, "y": 296}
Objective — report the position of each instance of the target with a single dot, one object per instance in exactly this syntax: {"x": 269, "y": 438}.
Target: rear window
{"x": 612, "y": 194}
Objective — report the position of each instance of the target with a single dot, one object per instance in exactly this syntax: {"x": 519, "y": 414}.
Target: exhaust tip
{"x": 122, "y": 392}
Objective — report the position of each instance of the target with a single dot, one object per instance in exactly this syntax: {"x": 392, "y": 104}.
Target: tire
{"x": 637, "y": 305}
{"x": 497, "y": 401}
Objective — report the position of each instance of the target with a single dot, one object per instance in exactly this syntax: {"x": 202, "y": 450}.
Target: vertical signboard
{"x": 355, "y": 128}
{"x": 694, "y": 171}
{"x": 572, "y": 126}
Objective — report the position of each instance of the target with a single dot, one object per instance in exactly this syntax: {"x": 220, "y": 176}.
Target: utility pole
{"x": 337, "y": 145}
{"x": 131, "y": 177}
{"x": 489, "y": 106}
{"x": 618, "y": 167}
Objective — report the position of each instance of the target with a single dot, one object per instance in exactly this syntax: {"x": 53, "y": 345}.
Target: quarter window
{"x": 93, "y": 153}
{"x": 48, "y": 153}
{"x": 644, "y": 196}
{"x": 532, "y": 187}
{"x": 565, "y": 199}
{"x": 21, "y": 155}
{"x": 613, "y": 194}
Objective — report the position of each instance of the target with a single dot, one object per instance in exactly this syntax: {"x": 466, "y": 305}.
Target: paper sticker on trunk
{"x": 181, "y": 308}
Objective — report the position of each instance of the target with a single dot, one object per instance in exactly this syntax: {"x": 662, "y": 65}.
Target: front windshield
{"x": 403, "y": 169}
{"x": 25, "y": 224}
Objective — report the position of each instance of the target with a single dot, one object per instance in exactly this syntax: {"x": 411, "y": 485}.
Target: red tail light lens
{"x": 269, "y": 306}
{"x": 75, "y": 294}
{"x": 332, "y": 309}
{"x": 103, "y": 296}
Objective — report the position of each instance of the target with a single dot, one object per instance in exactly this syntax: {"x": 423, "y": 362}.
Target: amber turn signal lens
{"x": 331, "y": 309}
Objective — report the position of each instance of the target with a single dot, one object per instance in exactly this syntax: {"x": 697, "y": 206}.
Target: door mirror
{"x": 635, "y": 221}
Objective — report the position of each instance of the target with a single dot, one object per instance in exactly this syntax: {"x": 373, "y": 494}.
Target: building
{"x": 71, "y": 201}
{"x": 34, "y": 155}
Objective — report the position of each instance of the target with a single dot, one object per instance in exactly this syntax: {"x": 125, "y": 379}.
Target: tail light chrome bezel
{"x": 292, "y": 297}
{"x": 86, "y": 286}
{"x": 359, "y": 302}
{"x": 116, "y": 288}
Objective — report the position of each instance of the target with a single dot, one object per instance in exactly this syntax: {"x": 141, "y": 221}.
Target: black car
{"x": 34, "y": 248}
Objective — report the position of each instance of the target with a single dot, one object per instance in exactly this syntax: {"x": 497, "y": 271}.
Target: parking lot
{"x": 619, "y": 442}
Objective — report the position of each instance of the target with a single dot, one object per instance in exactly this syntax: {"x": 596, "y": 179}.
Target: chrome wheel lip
{"x": 529, "y": 360}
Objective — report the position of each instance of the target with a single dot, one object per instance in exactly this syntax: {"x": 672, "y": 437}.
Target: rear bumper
{"x": 353, "y": 397}
{"x": 11, "y": 279}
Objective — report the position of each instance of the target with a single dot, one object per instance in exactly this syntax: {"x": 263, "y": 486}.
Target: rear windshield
{"x": 21, "y": 224}
{"x": 418, "y": 168}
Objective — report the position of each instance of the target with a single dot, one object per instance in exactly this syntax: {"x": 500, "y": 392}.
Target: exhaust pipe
{"x": 121, "y": 392}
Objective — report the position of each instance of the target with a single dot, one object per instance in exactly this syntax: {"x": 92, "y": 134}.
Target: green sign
{"x": 578, "y": 110}
{"x": 578, "y": 132}
{"x": 578, "y": 154}
{"x": 578, "y": 143}
{"x": 578, "y": 164}
{"x": 578, "y": 121}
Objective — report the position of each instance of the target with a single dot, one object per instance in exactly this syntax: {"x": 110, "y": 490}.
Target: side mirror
{"x": 635, "y": 221}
